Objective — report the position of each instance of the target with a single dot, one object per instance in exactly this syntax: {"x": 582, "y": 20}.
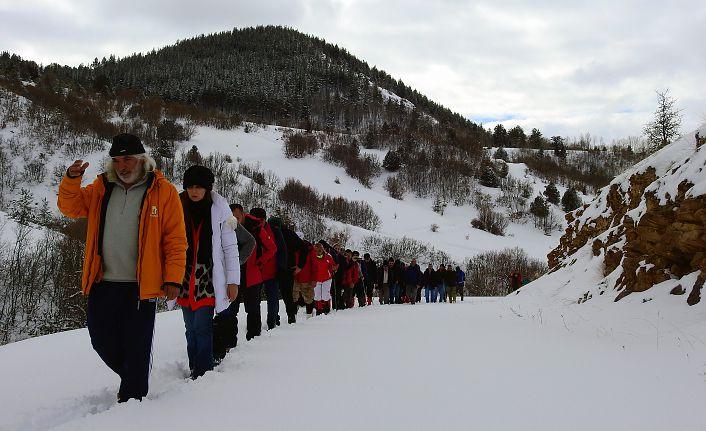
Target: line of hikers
{"x": 145, "y": 240}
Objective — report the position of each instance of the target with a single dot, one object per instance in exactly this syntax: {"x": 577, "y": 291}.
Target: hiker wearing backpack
{"x": 251, "y": 272}
{"x": 272, "y": 268}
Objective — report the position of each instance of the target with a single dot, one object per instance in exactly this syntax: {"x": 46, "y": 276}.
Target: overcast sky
{"x": 565, "y": 67}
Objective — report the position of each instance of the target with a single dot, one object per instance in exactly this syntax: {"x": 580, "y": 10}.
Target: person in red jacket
{"x": 270, "y": 270}
{"x": 251, "y": 273}
{"x": 351, "y": 275}
{"x": 303, "y": 291}
{"x": 323, "y": 268}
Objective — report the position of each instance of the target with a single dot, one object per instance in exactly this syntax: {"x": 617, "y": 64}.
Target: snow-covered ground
{"x": 489, "y": 364}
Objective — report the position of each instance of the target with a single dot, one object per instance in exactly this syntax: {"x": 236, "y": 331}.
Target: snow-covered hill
{"x": 411, "y": 217}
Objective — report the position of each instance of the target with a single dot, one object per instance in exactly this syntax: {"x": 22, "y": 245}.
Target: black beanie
{"x": 126, "y": 144}
{"x": 259, "y": 213}
{"x": 199, "y": 176}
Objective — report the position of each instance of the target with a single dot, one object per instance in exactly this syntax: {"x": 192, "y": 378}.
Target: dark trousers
{"x": 360, "y": 293}
{"x": 347, "y": 296}
{"x": 251, "y": 300}
{"x": 286, "y": 284}
{"x": 272, "y": 293}
{"x": 250, "y": 297}
{"x": 199, "y": 339}
{"x": 121, "y": 329}
{"x": 369, "y": 291}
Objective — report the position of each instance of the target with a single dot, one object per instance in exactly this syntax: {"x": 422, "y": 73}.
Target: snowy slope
{"x": 411, "y": 217}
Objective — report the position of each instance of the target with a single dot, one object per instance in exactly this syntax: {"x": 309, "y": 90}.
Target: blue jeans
{"x": 395, "y": 294}
{"x": 272, "y": 292}
{"x": 434, "y": 293}
{"x": 429, "y": 294}
{"x": 199, "y": 339}
{"x": 441, "y": 290}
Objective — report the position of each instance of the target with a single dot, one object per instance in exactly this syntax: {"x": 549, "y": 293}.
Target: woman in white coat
{"x": 212, "y": 267}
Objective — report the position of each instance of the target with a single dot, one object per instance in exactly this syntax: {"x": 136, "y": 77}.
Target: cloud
{"x": 564, "y": 67}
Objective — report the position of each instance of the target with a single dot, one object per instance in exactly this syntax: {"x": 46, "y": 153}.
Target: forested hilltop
{"x": 272, "y": 75}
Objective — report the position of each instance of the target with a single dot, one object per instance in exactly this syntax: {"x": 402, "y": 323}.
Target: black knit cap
{"x": 199, "y": 176}
{"x": 126, "y": 144}
{"x": 259, "y": 213}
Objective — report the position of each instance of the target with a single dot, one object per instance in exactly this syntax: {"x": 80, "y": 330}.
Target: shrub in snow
{"x": 300, "y": 145}
{"x": 490, "y": 221}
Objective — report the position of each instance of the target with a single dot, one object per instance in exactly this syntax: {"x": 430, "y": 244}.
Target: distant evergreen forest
{"x": 272, "y": 75}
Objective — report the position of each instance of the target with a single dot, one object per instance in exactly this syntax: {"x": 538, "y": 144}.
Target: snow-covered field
{"x": 489, "y": 364}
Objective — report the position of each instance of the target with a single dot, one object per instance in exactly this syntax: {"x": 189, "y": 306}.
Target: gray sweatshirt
{"x": 121, "y": 233}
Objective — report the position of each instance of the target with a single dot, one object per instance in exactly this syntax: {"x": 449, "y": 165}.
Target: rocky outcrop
{"x": 645, "y": 234}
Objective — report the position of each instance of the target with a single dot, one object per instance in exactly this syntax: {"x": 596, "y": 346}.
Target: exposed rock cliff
{"x": 648, "y": 225}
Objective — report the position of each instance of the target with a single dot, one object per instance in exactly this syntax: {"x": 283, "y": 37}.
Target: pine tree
{"x": 539, "y": 207}
{"x": 392, "y": 161}
{"x": 559, "y": 147}
{"x": 22, "y": 209}
{"x": 501, "y": 154}
{"x": 571, "y": 200}
{"x": 535, "y": 139}
{"x": 552, "y": 194}
{"x": 439, "y": 205}
{"x": 489, "y": 179}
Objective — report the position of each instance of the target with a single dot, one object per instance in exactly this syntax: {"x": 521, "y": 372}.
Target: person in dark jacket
{"x": 397, "y": 282}
{"x": 413, "y": 279}
{"x": 460, "y": 281}
{"x": 440, "y": 288}
{"x": 429, "y": 283}
{"x": 295, "y": 260}
{"x": 371, "y": 271}
{"x": 450, "y": 282}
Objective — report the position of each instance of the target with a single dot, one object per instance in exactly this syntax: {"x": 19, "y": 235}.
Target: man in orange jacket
{"x": 135, "y": 253}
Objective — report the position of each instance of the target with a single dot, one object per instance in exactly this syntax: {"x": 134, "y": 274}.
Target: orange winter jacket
{"x": 162, "y": 238}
